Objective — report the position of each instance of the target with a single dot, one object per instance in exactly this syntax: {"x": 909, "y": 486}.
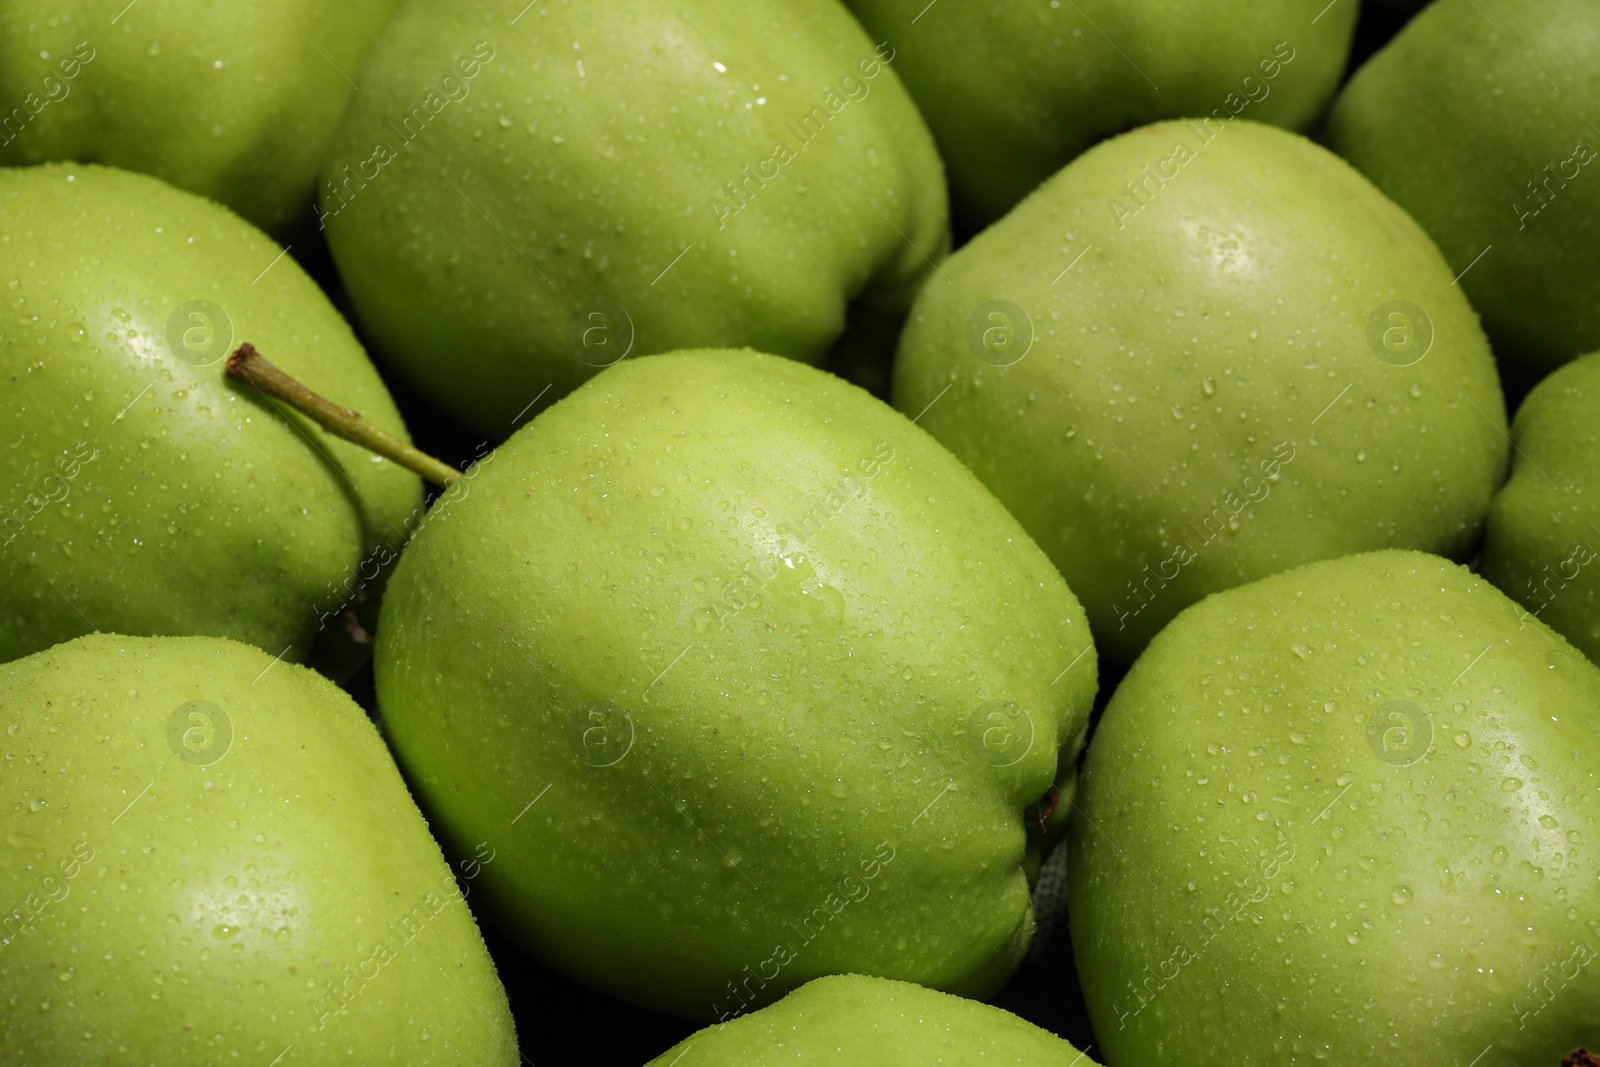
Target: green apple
{"x": 1477, "y": 119}
{"x": 851, "y": 1019}
{"x": 520, "y": 198}
{"x": 1542, "y": 544}
{"x": 1202, "y": 354}
{"x": 232, "y": 100}
{"x": 210, "y": 858}
{"x": 140, "y": 491}
{"x": 749, "y": 681}
{"x": 1014, "y": 91}
{"x": 1344, "y": 815}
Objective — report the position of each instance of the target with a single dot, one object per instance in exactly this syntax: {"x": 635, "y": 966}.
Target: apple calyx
{"x": 251, "y": 367}
{"x": 1580, "y": 1057}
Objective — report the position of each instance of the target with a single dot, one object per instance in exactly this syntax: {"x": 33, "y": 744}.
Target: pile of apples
{"x": 1139, "y": 635}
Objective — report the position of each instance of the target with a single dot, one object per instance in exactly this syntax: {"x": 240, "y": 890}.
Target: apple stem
{"x": 251, "y": 367}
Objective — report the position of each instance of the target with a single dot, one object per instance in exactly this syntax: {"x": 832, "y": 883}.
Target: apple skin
{"x": 852, "y": 1019}
{"x": 1266, "y": 868}
{"x": 145, "y": 493}
{"x": 1542, "y": 543}
{"x": 1203, "y": 402}
{"x": 757, "y": 794}
{"x": 1454, "y": 121}
{"x": 234, "y": 101}
{"x": 195, "y": 889}
{"x": 1014, "y": 91}
{"x": 508, "y": 211}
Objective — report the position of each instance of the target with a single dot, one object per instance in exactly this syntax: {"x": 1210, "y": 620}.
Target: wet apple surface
{"x": 747, "y": 679}
{"x": 1040, "y": 533}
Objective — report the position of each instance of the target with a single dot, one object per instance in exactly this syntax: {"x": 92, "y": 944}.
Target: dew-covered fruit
{"x": 142, "y": 491}
{"x": 234, "y": 101}
{"x": 1477, "y": 118}
{"x": 1344, "y": 815}
{"x": 1013, "y": 92}
{"x": 852, "y": 1020}
{"x": 1202, "y": 354}
{"x": 748, "y": 679}
{"x": 1542, "y": 543}
{"x": 210, "y": 858}
{"x": 517, "y": 200}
